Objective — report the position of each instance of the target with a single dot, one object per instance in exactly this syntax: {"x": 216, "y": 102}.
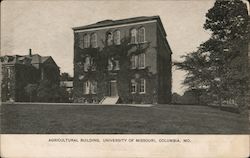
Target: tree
{"x": 65, "y": 77}
{"x": 31, "y": 90}
{"x": 228, "y": 20}
{"x": 48, "y": 91}
{"x": 44, "y": 92}
{"x": 219, "y": 66}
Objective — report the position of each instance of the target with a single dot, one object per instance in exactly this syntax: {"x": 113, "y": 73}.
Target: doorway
{"x": 113, "y": 88}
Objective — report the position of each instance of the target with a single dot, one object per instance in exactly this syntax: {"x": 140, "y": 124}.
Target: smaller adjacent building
{"x": 20, "y": 70}
{"x": 68, "y": 85}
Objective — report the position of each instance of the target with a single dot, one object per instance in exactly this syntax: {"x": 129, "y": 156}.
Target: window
{"x": 94, "y": 40}
{"x": 93, "y": 87}
{"x": 141, "y": 35}
{"x": 138, "y": 61}
{"x": 133, "y": 61}
{"x": 110, "y": 65}
{"x": 86, "y": 88}
{"x": 86, "y": 41}
{"x": 133, "y": 35}
{"x": 90, "y": 87}
{"x": 113, "y": 64}
{"x": 117, "y": 65}
{"x": 142, "y": 86}
{"x": 8, "y": 85}
{"x": 8, "y": 72}
{"x": 133, "y": 86}
{"x": 117, "y": 37}
{"x": 109, "y": 38}
{"x": 92, "y": 64}
{"x": 80, "y": 44}
{"x": 141, "y": 58}
{"x": 89, "y": 63}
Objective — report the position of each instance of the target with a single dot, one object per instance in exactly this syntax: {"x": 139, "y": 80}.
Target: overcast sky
{"x": 45, "y": 26}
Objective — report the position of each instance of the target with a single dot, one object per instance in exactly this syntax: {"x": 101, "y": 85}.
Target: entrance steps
{"x": 110, "y": 100}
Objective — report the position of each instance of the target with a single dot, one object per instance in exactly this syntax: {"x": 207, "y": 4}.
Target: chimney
{"x": 30, "y": 52}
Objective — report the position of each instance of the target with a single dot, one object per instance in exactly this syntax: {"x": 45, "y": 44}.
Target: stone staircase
{"x": 110, "y": 100}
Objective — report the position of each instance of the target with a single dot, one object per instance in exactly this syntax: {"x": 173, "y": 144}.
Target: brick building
{"x": 19, "y": 71}
{"x": 122, "y": 61}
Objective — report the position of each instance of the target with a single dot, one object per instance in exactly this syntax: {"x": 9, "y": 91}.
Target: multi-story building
{"x": 19, "y": 71}
{"x": 126, "y": 61}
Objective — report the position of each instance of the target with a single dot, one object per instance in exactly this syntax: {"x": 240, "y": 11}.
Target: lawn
{"x": 110, "y": 119}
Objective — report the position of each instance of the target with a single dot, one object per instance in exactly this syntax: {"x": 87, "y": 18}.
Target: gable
{"x": 49, "y": 60}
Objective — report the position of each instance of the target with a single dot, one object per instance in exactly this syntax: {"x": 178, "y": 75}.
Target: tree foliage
{"x": 31, "y": 90}
{"x": 219, "y": 66}
{"x": 228, "y": 20}
{"x": 65, "y": 77}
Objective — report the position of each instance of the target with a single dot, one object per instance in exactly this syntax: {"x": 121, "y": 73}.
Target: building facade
{"x": 19, "y": 71}
{"x": 122, "y": 61}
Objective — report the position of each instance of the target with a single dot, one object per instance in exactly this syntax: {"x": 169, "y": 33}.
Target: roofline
{"x": 122, "y": 23}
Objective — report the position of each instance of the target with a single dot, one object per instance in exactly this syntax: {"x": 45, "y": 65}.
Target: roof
{"x": 109, "y": 22}
{"x": 25, "y": 59}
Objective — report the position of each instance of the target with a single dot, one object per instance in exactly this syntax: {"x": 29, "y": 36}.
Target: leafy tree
{"x": 50, "y": 92}
{"x": 31, "y": 90}
{"x": 228, "y": 20}
{"x": 65, "y": 77}
{"x": 219, "y": 66}
{"x": 44, "y": 91}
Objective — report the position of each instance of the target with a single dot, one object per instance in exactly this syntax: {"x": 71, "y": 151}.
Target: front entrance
{"x": 113, "y": 88}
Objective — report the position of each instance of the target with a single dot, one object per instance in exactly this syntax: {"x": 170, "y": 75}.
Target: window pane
{"x": 142, "y": 85}
{"x": 110, "y": 64}
{"x": 86, "y": 87}
{"x": 93, "y": 87}
{"x": 141, "y": 37}
{"x": 94, "y": 40}
{"x": 117, "y": 38}
{"x": 133, "y": 86}
{"x": 109, "y": 38}
{"x": 133, "y": 61}
{"x": 117, "y": 65}
{"x": 8, "y": 72}
{"x": 80, "y": 43}
{"x": 142, "y": 60}
{"x": 133, "y": 36}
{"x": 87, "y": 63}
{"x": 86, "y": 41}
{"x": 92, "y": 64}
{"x": 8, "y": 85}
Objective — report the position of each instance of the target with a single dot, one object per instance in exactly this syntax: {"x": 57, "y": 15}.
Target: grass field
{"x": 110, "y": 119}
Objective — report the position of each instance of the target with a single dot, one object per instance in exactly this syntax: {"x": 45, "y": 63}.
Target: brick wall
{"x": 164, "y": 70}
{"x": 123, "y": 76}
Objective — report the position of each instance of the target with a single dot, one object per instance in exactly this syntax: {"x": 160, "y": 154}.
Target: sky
{"x": 46, "y": 26}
